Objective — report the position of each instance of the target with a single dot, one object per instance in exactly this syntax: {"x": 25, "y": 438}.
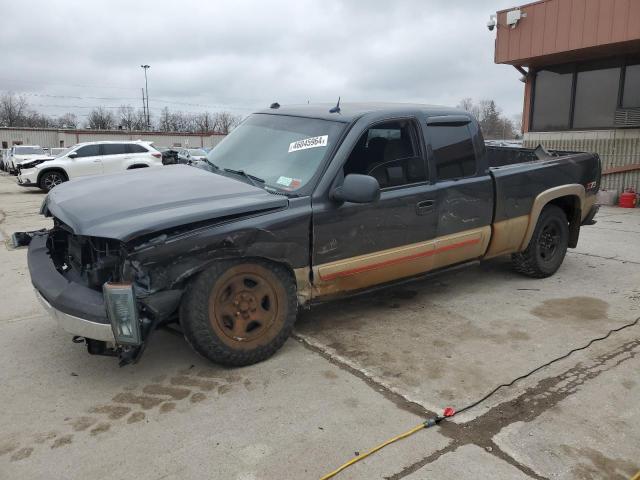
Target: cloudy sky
{"x": 242, "y": 55}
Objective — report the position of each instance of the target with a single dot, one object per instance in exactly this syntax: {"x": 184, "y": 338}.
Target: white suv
{"x": 91, "y": 158}
{"x": 23, "y": 153}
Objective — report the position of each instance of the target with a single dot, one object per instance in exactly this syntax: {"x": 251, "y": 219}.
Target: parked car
{"x": 299, "y": 205}
{"x": 170, "y": 156}
{"x": 196, "y": 154}
{"x": 4, "y": 157}
{"x": 91, "y": 158}
{"x": 23, "y": 153}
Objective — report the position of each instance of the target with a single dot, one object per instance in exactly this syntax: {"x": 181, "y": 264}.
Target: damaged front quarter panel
{"x": 161, "y": 266}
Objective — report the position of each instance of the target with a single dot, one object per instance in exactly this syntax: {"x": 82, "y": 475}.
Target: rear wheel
{"x": 548, "y": 246}
{"x": 238, "y": 312}
{"x": 50, "y": 179}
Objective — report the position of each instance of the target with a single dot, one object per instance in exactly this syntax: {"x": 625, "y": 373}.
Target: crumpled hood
{"x": 127, "y": 205}
{"x": 17, "y": 159}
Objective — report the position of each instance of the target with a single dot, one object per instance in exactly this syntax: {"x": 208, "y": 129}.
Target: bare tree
{"x": 126, "y": 117}
{"x": 468, "y": 105}
{"x": 101, "y": 119}
{"x": 164, "y": 122}
{"x": 204, "y": 122}
{"x": 12, "y": 110}
{"x": 225, "y": 121}
{"x": 493, "y": 123}
{"x": 68, "y": 120}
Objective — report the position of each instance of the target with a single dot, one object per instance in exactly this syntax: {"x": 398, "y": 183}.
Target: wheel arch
{"x": 299, "y": 275}
{"x": 137, "y": 165}
{"x": 52, "y": 169}
{"x": 570, "y": 198}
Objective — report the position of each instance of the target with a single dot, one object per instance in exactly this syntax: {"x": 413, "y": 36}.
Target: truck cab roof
{"x": 350, "y": 112}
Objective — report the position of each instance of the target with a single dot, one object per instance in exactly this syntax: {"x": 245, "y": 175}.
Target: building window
{"x": 552, "y": 99}
{"x": 596, "y": 98}
{"x": 631, "y": 95}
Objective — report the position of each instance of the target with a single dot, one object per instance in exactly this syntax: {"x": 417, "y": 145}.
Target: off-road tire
{"x": 45, "y": 181}
{"x": 202, "y": 332}
{"x": 532, "y": 261}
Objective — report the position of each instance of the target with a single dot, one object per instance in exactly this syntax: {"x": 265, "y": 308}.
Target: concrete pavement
{"x": 356, "y": 373}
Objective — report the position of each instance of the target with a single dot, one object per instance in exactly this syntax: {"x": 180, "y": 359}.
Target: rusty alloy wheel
{"x": 246, "y": 306}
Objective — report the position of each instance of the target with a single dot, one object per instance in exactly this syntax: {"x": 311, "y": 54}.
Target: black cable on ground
{"x": 450, "y": 412}
{"x": 557, "y": 359}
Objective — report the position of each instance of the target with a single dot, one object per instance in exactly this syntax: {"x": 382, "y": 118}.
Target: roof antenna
{"x": 275, "y": 105}
{"x": 336, "y": 109}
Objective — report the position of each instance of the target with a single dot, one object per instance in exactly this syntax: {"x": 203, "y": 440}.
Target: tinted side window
{"x": 389, "y": 153}
{"x": 89, "y": 151}
{"x": 453, "y": 151}
{"x": 135, "y": 148}
{"x": 114, "y": 148}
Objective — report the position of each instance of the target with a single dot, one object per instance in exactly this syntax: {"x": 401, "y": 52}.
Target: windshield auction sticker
{"x": 305, "y": 143}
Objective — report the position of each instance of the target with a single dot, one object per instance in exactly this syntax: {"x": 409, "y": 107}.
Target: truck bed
{"x": 521, "y": 174}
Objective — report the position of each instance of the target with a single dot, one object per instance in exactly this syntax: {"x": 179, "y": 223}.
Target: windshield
{"x": 29, "y": 151}
{"x": 63, "y": 152}
{"x": 284, "y": 151}
{"x": 198, "y": 153}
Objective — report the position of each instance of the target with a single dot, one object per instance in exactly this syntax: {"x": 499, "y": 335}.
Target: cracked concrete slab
{"x": 593, "y": 430}
{"x": 468, "y": 462}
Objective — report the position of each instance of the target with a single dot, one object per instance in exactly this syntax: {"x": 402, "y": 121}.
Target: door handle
{"x": 97, "y": 161}
{"x": 424, "y": 207}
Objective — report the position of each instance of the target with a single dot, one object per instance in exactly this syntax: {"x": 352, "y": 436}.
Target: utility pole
{"x": 146, "y": 87}
{"x": 144, "y": 107}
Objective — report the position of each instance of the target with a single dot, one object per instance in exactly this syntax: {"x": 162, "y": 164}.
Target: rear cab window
{"x": 453, "y": 152}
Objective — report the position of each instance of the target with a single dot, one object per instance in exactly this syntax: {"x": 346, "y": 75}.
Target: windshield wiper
{"x": 215, "y": 167}
{"x": 255, "y": 181}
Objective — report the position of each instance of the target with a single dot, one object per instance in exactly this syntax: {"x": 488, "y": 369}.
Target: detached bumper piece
{"x": 122, "y": 312}
{"x": 23, "y": 239}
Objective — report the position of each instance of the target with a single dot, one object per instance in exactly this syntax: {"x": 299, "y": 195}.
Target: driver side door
{"x": 356, "y": 246}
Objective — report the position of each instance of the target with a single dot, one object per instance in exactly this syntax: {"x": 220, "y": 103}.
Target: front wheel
{"x": 51, "y": 179}
{"x": 548, "y": 246}
{"x": 239, "y": 312}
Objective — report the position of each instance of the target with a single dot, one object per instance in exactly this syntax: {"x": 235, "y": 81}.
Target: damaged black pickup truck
{"x": 297, "y": 205}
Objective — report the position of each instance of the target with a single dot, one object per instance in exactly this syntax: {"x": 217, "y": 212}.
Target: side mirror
{"x": 357, "y": 188}
{"x": 72, "y": 155}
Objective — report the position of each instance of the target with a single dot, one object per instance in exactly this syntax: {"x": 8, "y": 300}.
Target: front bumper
{"x": 28, "y": 178}
{"x": 78, "y": 326}
{"x": 61, "y": 294}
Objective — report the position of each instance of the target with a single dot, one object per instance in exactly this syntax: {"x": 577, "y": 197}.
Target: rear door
{"x": 88, "y": 161}
{"x": 462, "y": 186}
{"x": 114, "y": 157}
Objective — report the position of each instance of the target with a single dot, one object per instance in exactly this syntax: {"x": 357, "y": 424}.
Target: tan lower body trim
{"x": 387, "y": 265}
{"x": 507, "y": 236}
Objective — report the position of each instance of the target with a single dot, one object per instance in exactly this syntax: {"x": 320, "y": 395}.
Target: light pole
{"x": 146, "y": 87}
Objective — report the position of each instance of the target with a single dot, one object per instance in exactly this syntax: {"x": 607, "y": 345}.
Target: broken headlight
{"x": 121, "y": 310}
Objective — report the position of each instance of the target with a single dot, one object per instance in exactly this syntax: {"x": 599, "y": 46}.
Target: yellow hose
{"x": 636, "y": 476}
{"x": 374, "y": 450}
